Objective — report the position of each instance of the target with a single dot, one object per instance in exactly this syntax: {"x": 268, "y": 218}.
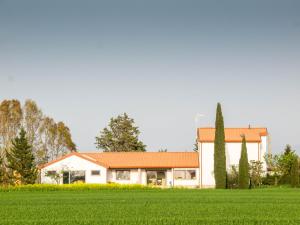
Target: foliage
{"x": 163, "y": 150}
{"x": 219, "y": 150}
{"x": 120, "y": 136}
{"x": 280, "y": 165}
{"x": 10, "y": 123}
{"x": 286, "y": 160}
{"x": 256, "y": 173}
{"x": 1, "y": 170}
{"x": 74, "y": 187}
{"x": 136, "y": 206}
{"x": 295, "y": 173}
{"x": 232, "y": 177}
{"x": 56, "y": 140}
{"x": 20, "y": 160}
{"x": 273, "y": 167}
{"x": 48, "y": 142}
{"x": 244, "y": 167}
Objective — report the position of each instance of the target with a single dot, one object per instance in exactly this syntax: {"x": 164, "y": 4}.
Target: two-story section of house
{"x": 257, "y": 147}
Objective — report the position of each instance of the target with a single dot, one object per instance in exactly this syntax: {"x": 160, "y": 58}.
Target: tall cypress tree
{"x": 20, "y": 160}
{"x": 295, "y": 173}
{"x": 219, "y": 150}
{"x": 244, "y": 167}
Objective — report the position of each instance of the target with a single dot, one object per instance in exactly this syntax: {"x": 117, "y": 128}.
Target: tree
{"x": 285, "y": 162}
{"x": 20, "y": 160}
{"x": 273, "y": 167}
{"x": 41, "y": 131}
{"x": 10, "y": 122}
{"x": 219, "y": 150}
{"x": 120, "y": 136}
{"x": 279, "y": 166}
{"x": 32, "y": 120}
{"x": 1, "y": 170}
{"x": 256, "y": 172}
{"x": 244, "y": 167}
{"x": 162, "y": 150}
{"x": 56, "y": 140}
{"x": 295, "y": 173}
{"x": 232, "y": 177}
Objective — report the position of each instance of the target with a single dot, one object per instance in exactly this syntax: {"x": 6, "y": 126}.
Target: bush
{"x": 74, "y": 187}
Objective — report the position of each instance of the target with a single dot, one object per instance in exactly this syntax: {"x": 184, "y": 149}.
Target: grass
{"x": 142, "y": 206}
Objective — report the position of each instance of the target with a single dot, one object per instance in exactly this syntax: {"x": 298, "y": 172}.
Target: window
{"x": 185, "y": 174}
{"x": 95, "y": 172}
{"x": 123, "y": 174}
{"x": 51, "y": 173}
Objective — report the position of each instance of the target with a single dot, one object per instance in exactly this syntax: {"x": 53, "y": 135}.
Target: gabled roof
{"x": 233, "y": 134}
{"x": 124, "y": 160}
{"x": 73, "y": 154}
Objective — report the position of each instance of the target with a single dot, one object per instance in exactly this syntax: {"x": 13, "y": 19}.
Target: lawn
{"x": 151, "y": 206}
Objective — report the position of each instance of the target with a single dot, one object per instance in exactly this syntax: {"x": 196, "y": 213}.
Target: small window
{"x": 51, "y": 173}
{"x": 123, "y": 175}
{"x": 95, "y": 172}
{"x": 185, "y": 174}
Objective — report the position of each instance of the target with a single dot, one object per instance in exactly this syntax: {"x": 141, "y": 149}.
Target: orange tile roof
{"x": 233, "y": 134}
{"x": 123, "y": 160}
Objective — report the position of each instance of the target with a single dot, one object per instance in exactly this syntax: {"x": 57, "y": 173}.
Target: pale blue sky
{"x": 162, "y": 62}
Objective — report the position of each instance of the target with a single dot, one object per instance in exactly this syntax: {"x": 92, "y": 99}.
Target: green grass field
{"x": 153, "y": 206}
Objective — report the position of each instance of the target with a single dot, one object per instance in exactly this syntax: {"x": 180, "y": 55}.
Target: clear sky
{"x": 161, "y": 61}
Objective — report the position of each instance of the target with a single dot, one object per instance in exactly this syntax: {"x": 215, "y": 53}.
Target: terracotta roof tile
{"x": 147, "y": 159}
{"x": 233, "y": 134}
{"x": 123, "y": 160}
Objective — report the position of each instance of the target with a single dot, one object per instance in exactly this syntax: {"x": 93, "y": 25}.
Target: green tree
{"x": 285, "y": 162}
{"x": 295, "y": 173}
{"x": 120, "y": 136}
{"x": 219, "y": 150}
{"x": 244, "y": 167}
{"x": 20, "y": 160}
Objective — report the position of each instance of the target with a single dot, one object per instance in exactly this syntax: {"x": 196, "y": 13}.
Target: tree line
{"x": 282, "y": 168}
{"x": 29, "y": 138}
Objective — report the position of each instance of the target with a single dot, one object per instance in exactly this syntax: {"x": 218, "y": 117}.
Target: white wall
{"x": 75, "y": 163}
{"x": 136, "y": 176}
{"x": 256, "y": 151}
{"x": 206, "y": 161}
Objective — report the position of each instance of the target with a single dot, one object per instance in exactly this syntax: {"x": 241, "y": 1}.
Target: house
{"x": 189, "y": 169}
{"x": 146, "y": 168}
{"x": 257, "y": 147}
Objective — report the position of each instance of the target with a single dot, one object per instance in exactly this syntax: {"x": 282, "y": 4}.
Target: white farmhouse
{"x": 146, "y": 168}
{"x": 190, "y": 169}
{"x": 257, "y": 146}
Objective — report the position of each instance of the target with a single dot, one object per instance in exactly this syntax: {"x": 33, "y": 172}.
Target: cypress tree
{"x": 219, "y": 150}
{"x": 295, "y": 173}
{"x": 20, "y": 160}
{"x": 244, "y": 167}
